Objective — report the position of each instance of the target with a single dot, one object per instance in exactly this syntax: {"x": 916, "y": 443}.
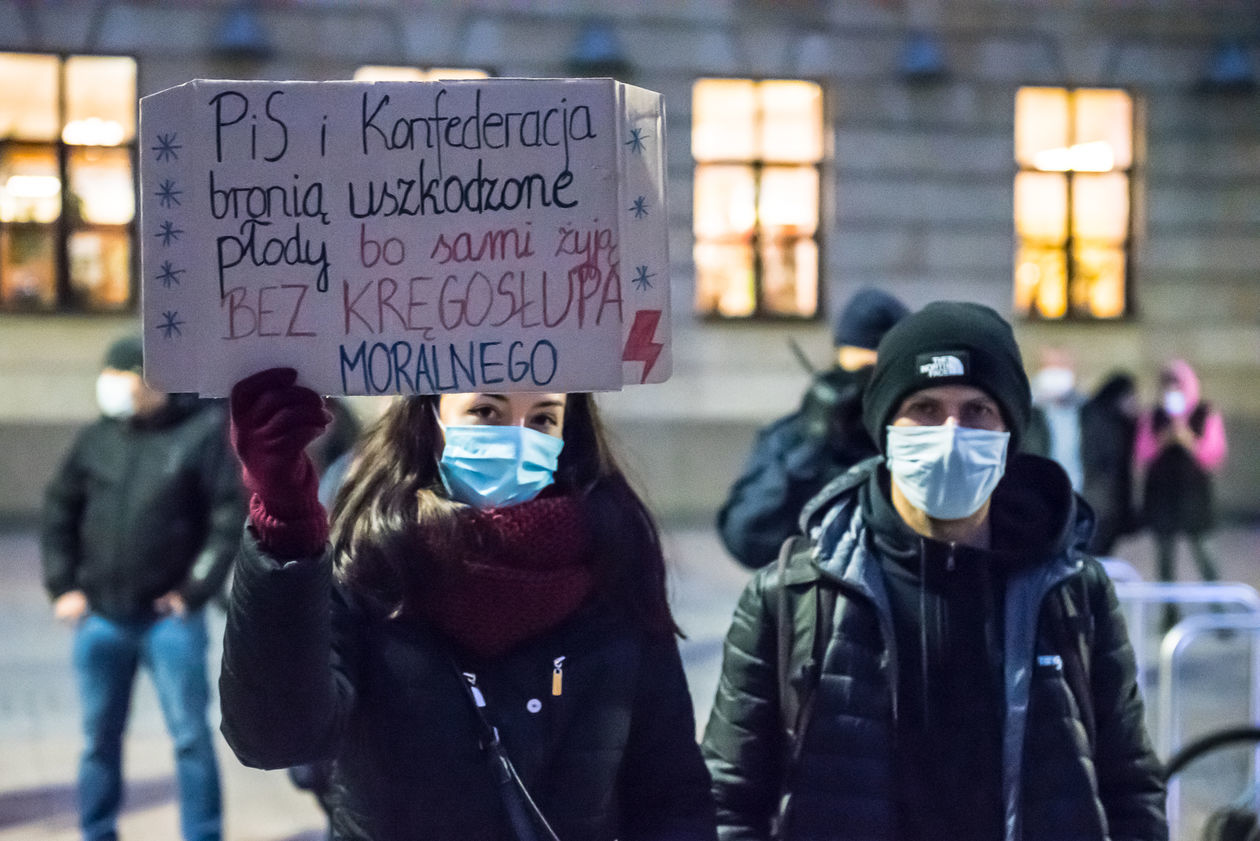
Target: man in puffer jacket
{"x": 976, "y": 679}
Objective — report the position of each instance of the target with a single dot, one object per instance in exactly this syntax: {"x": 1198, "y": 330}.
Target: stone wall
{"x": 918, "y": 186}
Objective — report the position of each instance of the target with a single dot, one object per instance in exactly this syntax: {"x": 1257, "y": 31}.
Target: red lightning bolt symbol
{"x": 639, "y": 344}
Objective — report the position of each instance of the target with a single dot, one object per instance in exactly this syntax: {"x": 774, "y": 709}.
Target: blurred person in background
{"x": 1180, "y": 445}
{"x": 1108, "y": 430}
{"x": 797, "y": 455}
{"x": 140, "y": 525}
{"x": 338, "y": 439}
{"x": 1054, "y": 430}
{"x": 492, "y": 586}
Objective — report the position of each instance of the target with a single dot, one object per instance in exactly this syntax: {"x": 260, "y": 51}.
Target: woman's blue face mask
{"x": 488, "y": 466}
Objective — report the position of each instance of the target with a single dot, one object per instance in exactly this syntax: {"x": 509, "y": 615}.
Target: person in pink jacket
{"x": 1180, "y": 445}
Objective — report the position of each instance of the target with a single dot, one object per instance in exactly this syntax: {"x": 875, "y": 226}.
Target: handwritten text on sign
{"x": 405, "y": 237}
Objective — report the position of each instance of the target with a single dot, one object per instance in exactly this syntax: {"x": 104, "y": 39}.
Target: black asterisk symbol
{"x": 170, "y": 274}
{"x": 642, "y": 279}
{"x": 171, "y": 324}
{"x": 168, "y": 233}
{"x": 167, "y": 148}
{"x": 636, "y": 139}
{"x": 167, "y": 194}
{"x": 639, "y": 208}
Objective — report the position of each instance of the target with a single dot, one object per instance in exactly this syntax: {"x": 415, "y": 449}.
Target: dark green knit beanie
{"x": 948, "y": 343}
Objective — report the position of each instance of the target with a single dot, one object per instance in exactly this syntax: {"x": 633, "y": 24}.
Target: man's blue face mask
{"x": 497, "y": 466}
{"x": 949, "y": 471}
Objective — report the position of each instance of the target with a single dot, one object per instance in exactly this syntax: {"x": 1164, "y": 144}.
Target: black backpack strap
{"x": 798, "y": 676}
{"x": 789, "y": 702}
{"x": 1074, "y": 637}
{"x": 810, "y": 672}
{"x": 798, "y": 669}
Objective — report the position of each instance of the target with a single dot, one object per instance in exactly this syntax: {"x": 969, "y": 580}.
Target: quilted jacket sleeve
{"x": 1130, "y": 776}
{"x": 59, "y": 527}
{"x": 744, "y": 742}
{"x": 285, "y": 684}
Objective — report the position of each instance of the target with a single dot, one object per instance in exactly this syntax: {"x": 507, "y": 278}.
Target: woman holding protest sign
{"x": 499, "y": 659}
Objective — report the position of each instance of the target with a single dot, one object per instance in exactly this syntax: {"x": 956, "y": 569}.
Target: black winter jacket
{"x": 613, "y": 756}
{"x": 792, "y": 460}
{"x": 143, "y": 507}
{"x": 1107, "y": 439}
{"x": 1058, "y": 781}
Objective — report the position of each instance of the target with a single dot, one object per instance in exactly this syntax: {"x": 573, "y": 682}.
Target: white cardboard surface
{"x": 382, "y": 238}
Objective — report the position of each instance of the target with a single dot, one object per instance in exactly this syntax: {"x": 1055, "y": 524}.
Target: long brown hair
{"x": 393, "y": 494}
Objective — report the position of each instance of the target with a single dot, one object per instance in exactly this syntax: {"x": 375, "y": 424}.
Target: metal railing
{"x": 1173, "y": 647}
{"x": 1119, "y": 570}
{"x": 1138, "y": 597}
{"x": 1234, "y": 608}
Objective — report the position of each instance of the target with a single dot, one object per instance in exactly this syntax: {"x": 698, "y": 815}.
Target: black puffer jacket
{"x": 143, "y": 507}
{"x": 1057, "y": 780}
{"x": 613, "y": 756}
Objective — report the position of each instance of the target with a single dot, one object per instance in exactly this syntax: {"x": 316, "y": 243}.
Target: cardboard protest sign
{"x": 405, "y": 237}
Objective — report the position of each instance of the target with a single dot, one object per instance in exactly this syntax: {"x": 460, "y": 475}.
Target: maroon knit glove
{"x": 273, "y": 420}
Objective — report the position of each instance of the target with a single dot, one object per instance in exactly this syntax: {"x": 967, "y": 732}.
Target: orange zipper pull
{"x": 557, "y": 676}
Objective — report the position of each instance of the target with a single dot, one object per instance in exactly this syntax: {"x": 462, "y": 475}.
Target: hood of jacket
{"x": 1187, "y": 381}
{"x": 1035, "y": 516}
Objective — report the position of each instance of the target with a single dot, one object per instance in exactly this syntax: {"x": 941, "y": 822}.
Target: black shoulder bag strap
{"x": 527, "y": 820}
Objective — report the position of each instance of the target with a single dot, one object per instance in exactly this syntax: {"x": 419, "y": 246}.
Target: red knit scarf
{"x": 527, "y": 569}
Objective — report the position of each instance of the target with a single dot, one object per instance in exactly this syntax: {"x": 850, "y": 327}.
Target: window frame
{"x": 66, "y": 301}
{"x": 757, "y": 166}
{"x": 1073, "y": 314}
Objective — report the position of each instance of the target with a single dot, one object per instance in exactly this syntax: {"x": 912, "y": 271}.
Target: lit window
{"x": 391, "y": 73}
{"x": 67, "y": 184}
{"x": 1073, "y": 189}
{"x": 758, "y": 147}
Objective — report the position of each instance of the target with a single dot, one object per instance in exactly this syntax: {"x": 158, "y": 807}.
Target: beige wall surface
{"x": 918, "y": 183}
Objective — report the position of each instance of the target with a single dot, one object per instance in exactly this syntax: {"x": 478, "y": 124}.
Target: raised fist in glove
{"x": 273, "y": 421}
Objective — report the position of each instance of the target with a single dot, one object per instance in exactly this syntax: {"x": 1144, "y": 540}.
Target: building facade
{"x": 919, "y": 171}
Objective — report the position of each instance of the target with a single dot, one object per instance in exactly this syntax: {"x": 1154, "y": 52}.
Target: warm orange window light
{"x": 67, "y": 183}
{"x": 1074, "y": 154}
{"x": 758, "y": 148}
{"x": 392, "y": 73}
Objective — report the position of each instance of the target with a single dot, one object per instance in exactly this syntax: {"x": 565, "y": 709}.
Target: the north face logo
{"x": 943, "y": 366}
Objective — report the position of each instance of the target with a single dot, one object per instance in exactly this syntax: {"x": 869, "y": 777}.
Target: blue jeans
{"x": 106, "y": 656}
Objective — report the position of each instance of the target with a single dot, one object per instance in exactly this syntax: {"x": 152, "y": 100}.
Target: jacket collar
{"x": 835, "y": 493}
{"x": 1034, "y": 509}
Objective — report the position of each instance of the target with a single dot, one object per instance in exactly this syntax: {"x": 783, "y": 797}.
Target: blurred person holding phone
{"x": 1180, "y": 446}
